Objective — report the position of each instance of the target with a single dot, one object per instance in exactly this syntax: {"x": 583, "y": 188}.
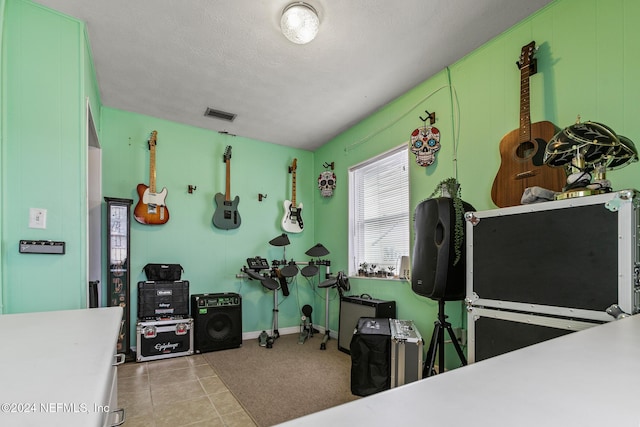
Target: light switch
{"x": 37, "y": 218}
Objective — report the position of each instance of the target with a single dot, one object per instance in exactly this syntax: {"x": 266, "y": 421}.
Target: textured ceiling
{"x": 172, "y": 59}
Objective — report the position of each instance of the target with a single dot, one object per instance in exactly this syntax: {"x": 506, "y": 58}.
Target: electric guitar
{"x": 226, "y": 215}
{"x": 522, "y": 150}
{"x": 151, "y": 208}
{"x": 292, "y": 220}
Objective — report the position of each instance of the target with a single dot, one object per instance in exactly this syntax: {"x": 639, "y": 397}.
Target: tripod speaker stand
{"x": 437, "y": 343}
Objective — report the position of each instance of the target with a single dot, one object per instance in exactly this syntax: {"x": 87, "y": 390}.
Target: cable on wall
{"x": 453, "y": 99}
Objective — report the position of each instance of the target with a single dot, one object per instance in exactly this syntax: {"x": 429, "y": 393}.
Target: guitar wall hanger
{"x": 430, "y": 116}
{"x": 191, "y": 188}
{"x": 261, "y": 196}
{"x": 328, "y": 165}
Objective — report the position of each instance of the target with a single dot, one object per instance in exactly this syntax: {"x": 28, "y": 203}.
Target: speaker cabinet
{"x": 434, "y": 274}
{"x": 353, "y": 308}
{"x": 217, "y": 321}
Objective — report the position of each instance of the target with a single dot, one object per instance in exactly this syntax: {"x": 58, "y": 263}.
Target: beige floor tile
{"x": 128, "y": 398}
{"x": 179, "y": 413}
{"x": 197, "y": 359}
{"x": 202, "y": 371}
{"x": 238, "y": 419}
{"x": 139, "y": 422}
{"x": 187, "y": 390}
{"x": 166, "y": 377}
{"x": 131, "y": 369}
{"x": 225, "y": 403}
{"x": 213, "y": 385}
{"x": 213, "y": 422}
{"x": 167, "y": 364}
{"x": 161, "y": 393}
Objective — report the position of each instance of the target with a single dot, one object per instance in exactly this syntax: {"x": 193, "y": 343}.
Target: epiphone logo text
{"x": 166, "y": 346}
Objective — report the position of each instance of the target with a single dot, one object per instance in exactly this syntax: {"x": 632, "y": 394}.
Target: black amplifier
{"x": 163, "y": 299}
{"x": 217, "y": 320}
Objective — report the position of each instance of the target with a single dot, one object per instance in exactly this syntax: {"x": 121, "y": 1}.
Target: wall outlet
{"x": 37, "y": 218}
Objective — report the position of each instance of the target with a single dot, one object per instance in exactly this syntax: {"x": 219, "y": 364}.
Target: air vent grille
{"x": 217, "y": 114}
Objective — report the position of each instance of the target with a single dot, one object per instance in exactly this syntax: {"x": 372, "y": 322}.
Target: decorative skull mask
{"x": 327, "y": 183}
{"x": 425, "y": 143}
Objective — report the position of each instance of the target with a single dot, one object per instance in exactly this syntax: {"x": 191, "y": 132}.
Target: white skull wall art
{"x": 327, "y": 183}
{"x": 425, "y": 143}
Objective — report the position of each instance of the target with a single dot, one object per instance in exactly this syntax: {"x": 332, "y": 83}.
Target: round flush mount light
{"x": 299, "y": 22}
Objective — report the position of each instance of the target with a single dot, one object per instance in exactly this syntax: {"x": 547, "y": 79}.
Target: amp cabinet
{"x": 217, "y": 320}
{"x": 571, "y": 259}
{"x": 353, "y": 308}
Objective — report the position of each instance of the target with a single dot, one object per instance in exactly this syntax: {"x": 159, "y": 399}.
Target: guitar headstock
{"x": 152, "y": 139}
{"x": 227, "y": 154}
{"x": 527, "y": 60}
{"x": 294, "y": 165}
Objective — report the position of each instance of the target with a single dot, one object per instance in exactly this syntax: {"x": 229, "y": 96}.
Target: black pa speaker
{"x": 217, "y": 321}
{"x": 433, "y": 273}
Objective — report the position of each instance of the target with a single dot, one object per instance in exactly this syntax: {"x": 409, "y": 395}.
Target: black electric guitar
{"x": 522, "y": 149}
{"x": 292, "y": 219}
{"x": 151, "y": 208}
{"x": 226, "y": 215}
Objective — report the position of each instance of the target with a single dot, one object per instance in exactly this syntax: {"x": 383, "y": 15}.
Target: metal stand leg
{"x": 275, "y": 334}
{"x": 437, "y": 343}
{"x": 325, "y": 339}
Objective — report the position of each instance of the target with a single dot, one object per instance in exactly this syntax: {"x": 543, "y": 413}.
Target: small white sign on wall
{"x": 37, "y": 218}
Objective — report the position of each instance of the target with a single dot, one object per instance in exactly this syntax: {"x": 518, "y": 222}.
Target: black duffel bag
{"x": 168, "y": 272}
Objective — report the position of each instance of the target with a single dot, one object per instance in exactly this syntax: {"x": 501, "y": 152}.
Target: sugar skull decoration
{"x": 425, "y": 143}
{"x": 327, "y": 183}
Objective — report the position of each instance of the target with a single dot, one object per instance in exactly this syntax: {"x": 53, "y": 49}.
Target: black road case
{"x": 533, "y": 269}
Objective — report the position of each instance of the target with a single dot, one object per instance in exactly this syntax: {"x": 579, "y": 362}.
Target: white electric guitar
{"x": 292, "y": 220}
{"x": 151, "y": 208}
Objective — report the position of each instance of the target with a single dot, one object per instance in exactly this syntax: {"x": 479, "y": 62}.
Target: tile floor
{"x": 175, "y": 392}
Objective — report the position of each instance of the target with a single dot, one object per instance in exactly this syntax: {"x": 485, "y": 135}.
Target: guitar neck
{"x": 525, "y": 113}
{"x": 227, "y": 190}
{"x": 293, "y": 188}
{"x": 152, "y": 168}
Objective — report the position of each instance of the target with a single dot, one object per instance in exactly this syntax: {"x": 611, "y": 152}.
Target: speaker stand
{"x": 437, "y": 343}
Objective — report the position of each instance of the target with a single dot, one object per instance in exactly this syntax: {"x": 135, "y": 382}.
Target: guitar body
{"x": 522, "y": 150}
{"x": 292, "y": 219}
{"x": 151, "y": 208}
{"x": 522, "y": 166}
{"x": 226, "y": 215}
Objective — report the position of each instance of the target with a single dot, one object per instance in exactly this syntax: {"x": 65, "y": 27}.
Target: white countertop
{"x": 587, "y": 378}
{"x": 55, "y": 367}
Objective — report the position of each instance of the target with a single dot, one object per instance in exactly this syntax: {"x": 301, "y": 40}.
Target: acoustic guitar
{"x": 522, "y": 149}
{"x": 292, "y": 219}
{"x": 226, "y": 215}
{"x": 151, "y": 208}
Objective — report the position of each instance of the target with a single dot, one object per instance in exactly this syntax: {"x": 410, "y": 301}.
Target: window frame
{"x": 355, "y": 226}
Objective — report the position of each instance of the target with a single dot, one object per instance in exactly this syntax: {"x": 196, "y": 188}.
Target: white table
{"x": 57, "y": 368}
{"x": 587, "y": 378}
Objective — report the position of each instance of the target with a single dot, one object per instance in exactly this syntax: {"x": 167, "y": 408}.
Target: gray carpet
{"x": 287, "y": 381}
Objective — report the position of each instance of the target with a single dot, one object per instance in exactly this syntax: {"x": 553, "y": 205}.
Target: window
{"x": 379, "y": 211}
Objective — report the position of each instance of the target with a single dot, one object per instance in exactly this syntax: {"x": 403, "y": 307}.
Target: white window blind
{"x": 379, "y": 211}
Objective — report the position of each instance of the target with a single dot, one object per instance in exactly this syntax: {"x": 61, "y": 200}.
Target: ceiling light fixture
{"x": 299, "y": 22}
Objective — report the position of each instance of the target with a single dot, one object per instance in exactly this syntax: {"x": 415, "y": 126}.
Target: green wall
{"x": 587, "y": 66}
{"x": 46, "y": 79}
{"x": 211, "y": 257}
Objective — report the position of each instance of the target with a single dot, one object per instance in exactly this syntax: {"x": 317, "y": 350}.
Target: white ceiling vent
{"x": 217, "y": 114}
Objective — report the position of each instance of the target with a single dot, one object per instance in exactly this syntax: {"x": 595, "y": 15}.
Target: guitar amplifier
{"x": 162, "y": 299}
{"x": 353, "y": 308}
